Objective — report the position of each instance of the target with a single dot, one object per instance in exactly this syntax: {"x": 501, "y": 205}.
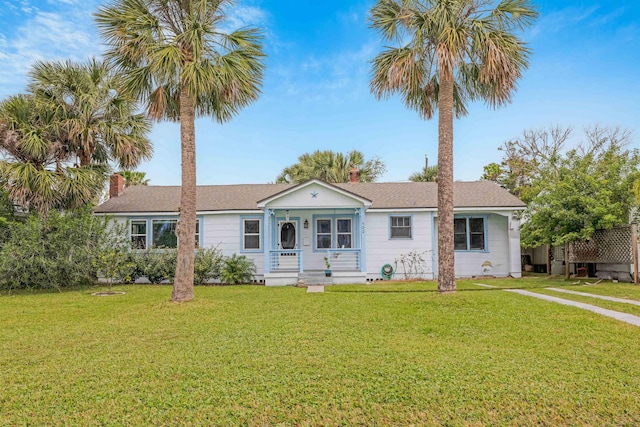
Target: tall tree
{"x": 331, "y": 167}
{"x": 59, "y": 139}
{"x": 132, "y": 178}
{"x": 584, "y": 189}
{"x": 93, "y": 118}
{"x": 179, "y": 58}
{"x": 427, "y": 174}
{"x": 451, "y": 52}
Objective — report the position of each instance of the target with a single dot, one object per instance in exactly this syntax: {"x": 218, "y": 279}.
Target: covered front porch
{"x": 313, "y": 228}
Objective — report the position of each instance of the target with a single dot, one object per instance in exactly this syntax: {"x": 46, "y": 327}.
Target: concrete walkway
{"x": 585, "y": 294}
{"x": 624, "y": 317}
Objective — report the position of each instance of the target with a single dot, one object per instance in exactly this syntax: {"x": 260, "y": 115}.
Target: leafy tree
{"x": 451, "y": 52}
{"x": 111, "y": 257}
{"x": 59, "y": 139}
{"x": 132, "y": 178}
{"x": 428, "y": 174}
{"x": 525, "y": 158}
{"x": 179, "y": 59}
{"x": 584, "y": 189}
{"x": 331, "y": 167}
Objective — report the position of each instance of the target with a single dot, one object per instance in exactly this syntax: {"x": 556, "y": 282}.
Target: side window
{"x": 323, "y": 233}
{"x": 344, "y": 234}
{"x": 164, "y": 233}
{"x": 138, "y": 234}
{"x": 469, "y": 234}
{"x": 400, "y": 227}
{"x": 476, "y": 234}
{"x": 251, "y": 234}
{"x": 460, "y": 234}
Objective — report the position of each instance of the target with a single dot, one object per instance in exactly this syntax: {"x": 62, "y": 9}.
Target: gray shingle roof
{"x": 384, "y": 195}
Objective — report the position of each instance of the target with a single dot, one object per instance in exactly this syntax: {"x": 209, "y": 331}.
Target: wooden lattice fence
{"x": 618, "y": 245}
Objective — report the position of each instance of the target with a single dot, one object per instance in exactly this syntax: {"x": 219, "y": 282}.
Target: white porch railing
{"x": 344, "y": 259}
{"x": 285, "y": 260}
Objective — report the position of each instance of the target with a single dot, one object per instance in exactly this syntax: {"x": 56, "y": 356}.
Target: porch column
{"x": 515, "y": 267}
{"x": 266, "y": 239}
{"x": 363, "y": 242}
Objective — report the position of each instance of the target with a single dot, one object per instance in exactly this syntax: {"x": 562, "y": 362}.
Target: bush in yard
{"x": 112, "y": 254}
{"x": 208, "y": 263}
{"x": 157, "y": 265}
{"x": 131, "y": 268}
{"x": 53, "y": 252}
{"x": 237, "y": 269}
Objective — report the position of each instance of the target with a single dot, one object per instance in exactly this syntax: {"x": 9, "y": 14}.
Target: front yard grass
{"x": 380, "y": 354}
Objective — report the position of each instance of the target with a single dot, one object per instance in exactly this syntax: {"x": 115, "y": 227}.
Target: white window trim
{"x": 391, "y": 227}
{"x": 318, "y": 234}
{"x": 350, "y": 233}
{"x": 244, "y": 234}
{"x": 132, "y": 235}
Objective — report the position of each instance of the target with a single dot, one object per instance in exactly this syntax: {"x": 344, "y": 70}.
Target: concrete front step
{"x": 314, "y": 279}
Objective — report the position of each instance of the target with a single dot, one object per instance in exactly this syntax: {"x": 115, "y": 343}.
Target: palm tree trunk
{"x": 446, "y": 267}
{"x": 186, "y": 230}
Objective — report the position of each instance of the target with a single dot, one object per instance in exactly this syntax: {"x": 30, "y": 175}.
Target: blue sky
{"x": 585, "y": 70}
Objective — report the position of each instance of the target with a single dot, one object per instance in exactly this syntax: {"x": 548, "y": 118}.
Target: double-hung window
{"x": 400, "y": 227}
{"x": 469, "y": 234}
{"x": 138, "y": 234}
{"x": 251, "y": 234}
{"x": 323, "y": 233}
{"x": 344, "y": 233}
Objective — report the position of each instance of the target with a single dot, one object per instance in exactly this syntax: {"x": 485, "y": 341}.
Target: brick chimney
{"x": 116, "y": 185}
{"x": 354, "y": 175}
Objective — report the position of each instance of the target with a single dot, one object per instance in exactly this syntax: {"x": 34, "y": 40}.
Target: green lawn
{"x": 381, "y": 354}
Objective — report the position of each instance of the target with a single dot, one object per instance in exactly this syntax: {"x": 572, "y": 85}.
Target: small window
{"x": 469, "y": 234}
{"x": 460, "y": 234}
{"x": 344, "y": 234}
{"x": 139, "y": 234}
{"x": 476, "y": 233}
{"x": 400, "y": 227}
{"x": 251, "y": 234}
{"x": 323, "y": 233}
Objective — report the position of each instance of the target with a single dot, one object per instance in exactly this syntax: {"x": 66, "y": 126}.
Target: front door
{"x": 287, "y": 240}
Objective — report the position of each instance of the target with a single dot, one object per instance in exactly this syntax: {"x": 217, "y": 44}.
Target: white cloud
{"x": 568, "y": 17}
{"x": 334, "y": 78}
{"x": 46, "y": 35}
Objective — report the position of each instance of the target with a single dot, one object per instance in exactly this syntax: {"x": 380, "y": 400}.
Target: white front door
{"x": 288, "y": 240}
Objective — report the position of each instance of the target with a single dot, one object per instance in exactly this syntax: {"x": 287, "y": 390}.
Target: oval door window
{"x": 288, "y": 236}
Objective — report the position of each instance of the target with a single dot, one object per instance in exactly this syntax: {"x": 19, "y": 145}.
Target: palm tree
{"x": 59, "y": 139}
{"x": 132, "y": 178}
{"x": 37, "y": 170}
{"x": 428, "y": 174}
{"x": 451, "y": 52}
{"x": 181, "y": 61}
{"x": 92, "y": 117}
{"x": 331, "y": 167}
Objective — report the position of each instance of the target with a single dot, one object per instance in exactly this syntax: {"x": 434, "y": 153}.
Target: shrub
{"x": 158, "y": 265}
{"x": 208, "y": 263}
{"x": 112, "y": 250}
{"x": 237, "y": 269}
{"x": 54, "y": 252}
{"x": 131, "y": 268}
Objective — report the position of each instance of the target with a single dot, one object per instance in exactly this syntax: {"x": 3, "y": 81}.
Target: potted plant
{"x": 327, "y": 272}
